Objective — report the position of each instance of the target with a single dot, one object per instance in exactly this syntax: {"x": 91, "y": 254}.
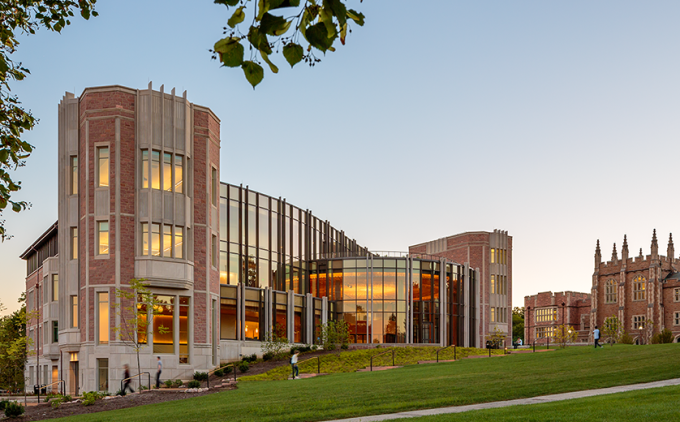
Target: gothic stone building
{"x": 643, "y": 292}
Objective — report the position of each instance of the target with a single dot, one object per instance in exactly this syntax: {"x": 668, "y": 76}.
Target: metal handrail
{"x": 63, "y": 386}
{"x": 217, "y": 369}
{"x": 318, "y": 363}
{"x": 380, "y": 354}
{"x": 140, "y": 381}
{"x": 454, "y": 351}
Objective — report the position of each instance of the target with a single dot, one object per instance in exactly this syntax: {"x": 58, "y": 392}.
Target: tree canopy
{"x": 299, "y": 29}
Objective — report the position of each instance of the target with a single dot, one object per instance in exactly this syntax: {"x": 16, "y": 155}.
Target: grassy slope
{"x": 420, "y": 386}
{"x": 655, "y": 404}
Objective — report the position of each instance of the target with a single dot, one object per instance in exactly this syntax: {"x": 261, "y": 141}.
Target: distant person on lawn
{"x": 596, "y": 336}
{"x": 293, "y": 364}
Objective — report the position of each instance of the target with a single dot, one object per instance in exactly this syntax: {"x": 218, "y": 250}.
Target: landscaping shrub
{"x": 91, "y": 396}
{"x": 200, "y": 376}
{"x": 227, "y": 369}
{"x": 177, "y": 383}
{"x": 194, "y": 384}
{"x": 665, "y": 336}
{"x": 251, "y": 358}
{"x": 345, "y": 346}
{"x": 329, "y": 347}
{"x": 13, "y": 410}
{"x": 58, "y": 399}
{"x": 627, "y": 338}
{"x": 219, "y": 373}
{"x": 268, "y": 356}
{"x": 168, "y": 383}
{"x": 243, "y": 367}
{"x": 314, "y": 347}
{"x": 3, "y": 404}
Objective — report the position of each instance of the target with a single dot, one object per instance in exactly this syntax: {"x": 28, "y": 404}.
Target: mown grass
{"x": 412, "y": 387}
{"x": 352, "y": 361}
{"x": 654, "y": 404}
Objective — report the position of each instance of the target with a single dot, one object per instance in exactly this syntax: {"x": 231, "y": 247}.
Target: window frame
{"x": 610, "y": 291}
{"x": 638, "y": 322}
{"x": 99, "y": 318}
{"x": 73, "y": 307}
{"x": 639, "y": 288}
{"x": 99, "y": 172}
{"x": 54, "y": 285}
{"x": 73, "y": 175}
{"x": 99, "y": 238}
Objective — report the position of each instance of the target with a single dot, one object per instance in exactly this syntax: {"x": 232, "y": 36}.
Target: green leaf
{"x": 259, "y": 40}
{"x": 338, "y": 9}
{"x": 293, "y": 54}
{"x": 272, "y": 66}
{"x": 230, "y": 51}
{"x": 227, "y": 2}
{"x": 16, "y": 207}
{"x": 278, "y": 4}
{"x": 4, "y": 154}
{"x": 273, "y": 25}
{"x": 237, "y": 17}
{"x": 253, "y": 71}
{"x": 317, "y": 35}
{"x": 263, "y": 7}
{"x": 356, "y": 17}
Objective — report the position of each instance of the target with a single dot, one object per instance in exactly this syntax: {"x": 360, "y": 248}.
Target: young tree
{"x": 14, "y": 347}
{"x": 612, "y": 329}
{"x": 23, "y": 17}
{"x": 275, "y": 342}
{"x": 495, "y": 337}
{"x": 295, "y": 30}
{"x": 518, "y": 323}
{"x": 565, "y": 334}
{"x": 334, "y": 333}
{"x": 136, "y": 306}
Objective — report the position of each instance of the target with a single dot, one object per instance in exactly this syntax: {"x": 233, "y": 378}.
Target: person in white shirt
{"x": 596, "y": 336}
{"x": 293, "y": 364}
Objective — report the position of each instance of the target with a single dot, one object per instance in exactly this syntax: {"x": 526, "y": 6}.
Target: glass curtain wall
{"x": 266, "y": 242}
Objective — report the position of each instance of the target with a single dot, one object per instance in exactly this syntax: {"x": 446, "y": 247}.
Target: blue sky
{"x": 556, "y": 121}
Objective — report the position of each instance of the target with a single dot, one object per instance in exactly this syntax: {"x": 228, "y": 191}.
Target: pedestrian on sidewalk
{"x": 596, "y": 336}
{"x": 159, "y": 369}
{"x": 126, "y": 377}
{"x": 293, "y": 364}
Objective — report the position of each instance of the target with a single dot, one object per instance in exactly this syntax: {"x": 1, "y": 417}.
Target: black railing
{"x": 380, "y": 354}
{"x": 318, "y": 363}
{"x": 148, "y": 374}
{"x": 44, "y": 387}
{"x": 233, "y": 364}
{"x": 454, "y": 351}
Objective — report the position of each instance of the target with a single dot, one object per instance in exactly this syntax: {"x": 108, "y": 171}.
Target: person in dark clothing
{"x": 596, "y": 337}
{"x": 158, "y": 372}
{"x": 126, "y": 377}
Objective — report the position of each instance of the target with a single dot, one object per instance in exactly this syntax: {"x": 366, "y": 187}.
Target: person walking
{"x": 596, "y": 336}
{"x": 126, "y": 377}
{"x": 158, "y": 371}
{"x": 293, "y": 364}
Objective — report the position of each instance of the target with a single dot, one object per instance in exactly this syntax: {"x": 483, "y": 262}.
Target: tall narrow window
{"x": 214, "y": 186}
{"x": 74, "y": 311}
{"x": 167, "y": 241}
{"x": 103, "y": 375}
{"x": 493, "y": 284}
{"x": 155, "y": 170}
{"x": 215, "y": 252}
{"x": 74, "y": 175}
{"x": 103, "y": 315}
{"x": 639, "y": 285}
{"x": 145, "y": 239}
{"x": 145, "y": 169}
{"x": 156, "y": 240}
{"x": 103, "y": 237}
{"x": 164, "y": 325}
{"x": 102, "y": 166}
{"x": 167, "y": 172}
{"x": 493, "y": 255}
{"x": 74, "y": 242}
{"x": 610, "y": 291}
{"x": 183, "y": 329}
{"x": 55, "y": 287}
{"x": 179, "y": 174}
{"x": 55, "y": 331}
{"x": 179, "y": 242}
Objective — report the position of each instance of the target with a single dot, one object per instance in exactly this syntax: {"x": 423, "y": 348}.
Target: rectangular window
{"x": 74, "y": 175}
{"x": 103, "y": 375}
{"x": 103, "y": 316}
{"x": 676, "y": 318}
{"x": 156, "y": 240}
{"x": 145, "y": 169}
{"x": 493, "y": 284}
{"x": 493, "y": 314}
{"x": 179, "y": 242}
{"x": 167, "y": 241}
{"x": 103, "y": 237}
{"x": 43, "y": 291}
{"x": 638, "y": 322}
{"x": 163, "y": 325}
{"x": 74, "y": 242}
{"x": 74, "y": 311}
{"x": 55, "y": 287}
{"x": 676, "y": 294}
{"x": 145, "y": 239}
{"x": 183, "y": 329}
{"x": 544, "y": 332}
{"x": 215, "y": 252}
{"x": 214, "y": 186}
{"x": 55, "y": 331}
{"x": 493, "y": 255}
{"x": 639, "y": 285}
{"x": 179, "y": 174}
{"x": 546, "y": 315}
{"x": 103, "y": 167}
{"x": 155, "y": 170}
{"x": 167, "y": 172}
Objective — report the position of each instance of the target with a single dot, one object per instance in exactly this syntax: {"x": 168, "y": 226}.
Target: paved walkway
{"x": 496, "y": 404}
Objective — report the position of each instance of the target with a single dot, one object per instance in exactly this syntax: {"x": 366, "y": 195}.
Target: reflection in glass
{"x": 167, "y": 172}
{"x": 183, "y": 329}
{"x": 145, "y": 239}
{"x": 263, "y": 231}
{"x": 74, "y": 175}
{"x": 179, "y": 174}
{"x": 252, "y": 320}
{"x": 103, "y": 166}
{"x": 155, "y": 240}
{"x": 155, "y": 170}
{"x": 167, "y": 241}
{"x": 228, "y": 319}
{"x": 145, "y": 169}
{"x": 179, "y": 242}
{"x": 163, "y": 325}
{"x": 103, "y": 235}
{"x": 103, "y": 315}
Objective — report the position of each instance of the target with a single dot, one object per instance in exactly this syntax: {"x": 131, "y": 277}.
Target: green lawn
{"x": 654, "y": 404}
{"x": 420, "y": 386}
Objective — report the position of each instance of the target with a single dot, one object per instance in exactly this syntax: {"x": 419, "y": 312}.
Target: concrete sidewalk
{"x": 497, "y": 404}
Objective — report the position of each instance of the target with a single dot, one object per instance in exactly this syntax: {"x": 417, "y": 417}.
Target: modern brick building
{"x": 139, "y": 197}
{"x": 643, "y": 292}
{"x": 490, "y": 253}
